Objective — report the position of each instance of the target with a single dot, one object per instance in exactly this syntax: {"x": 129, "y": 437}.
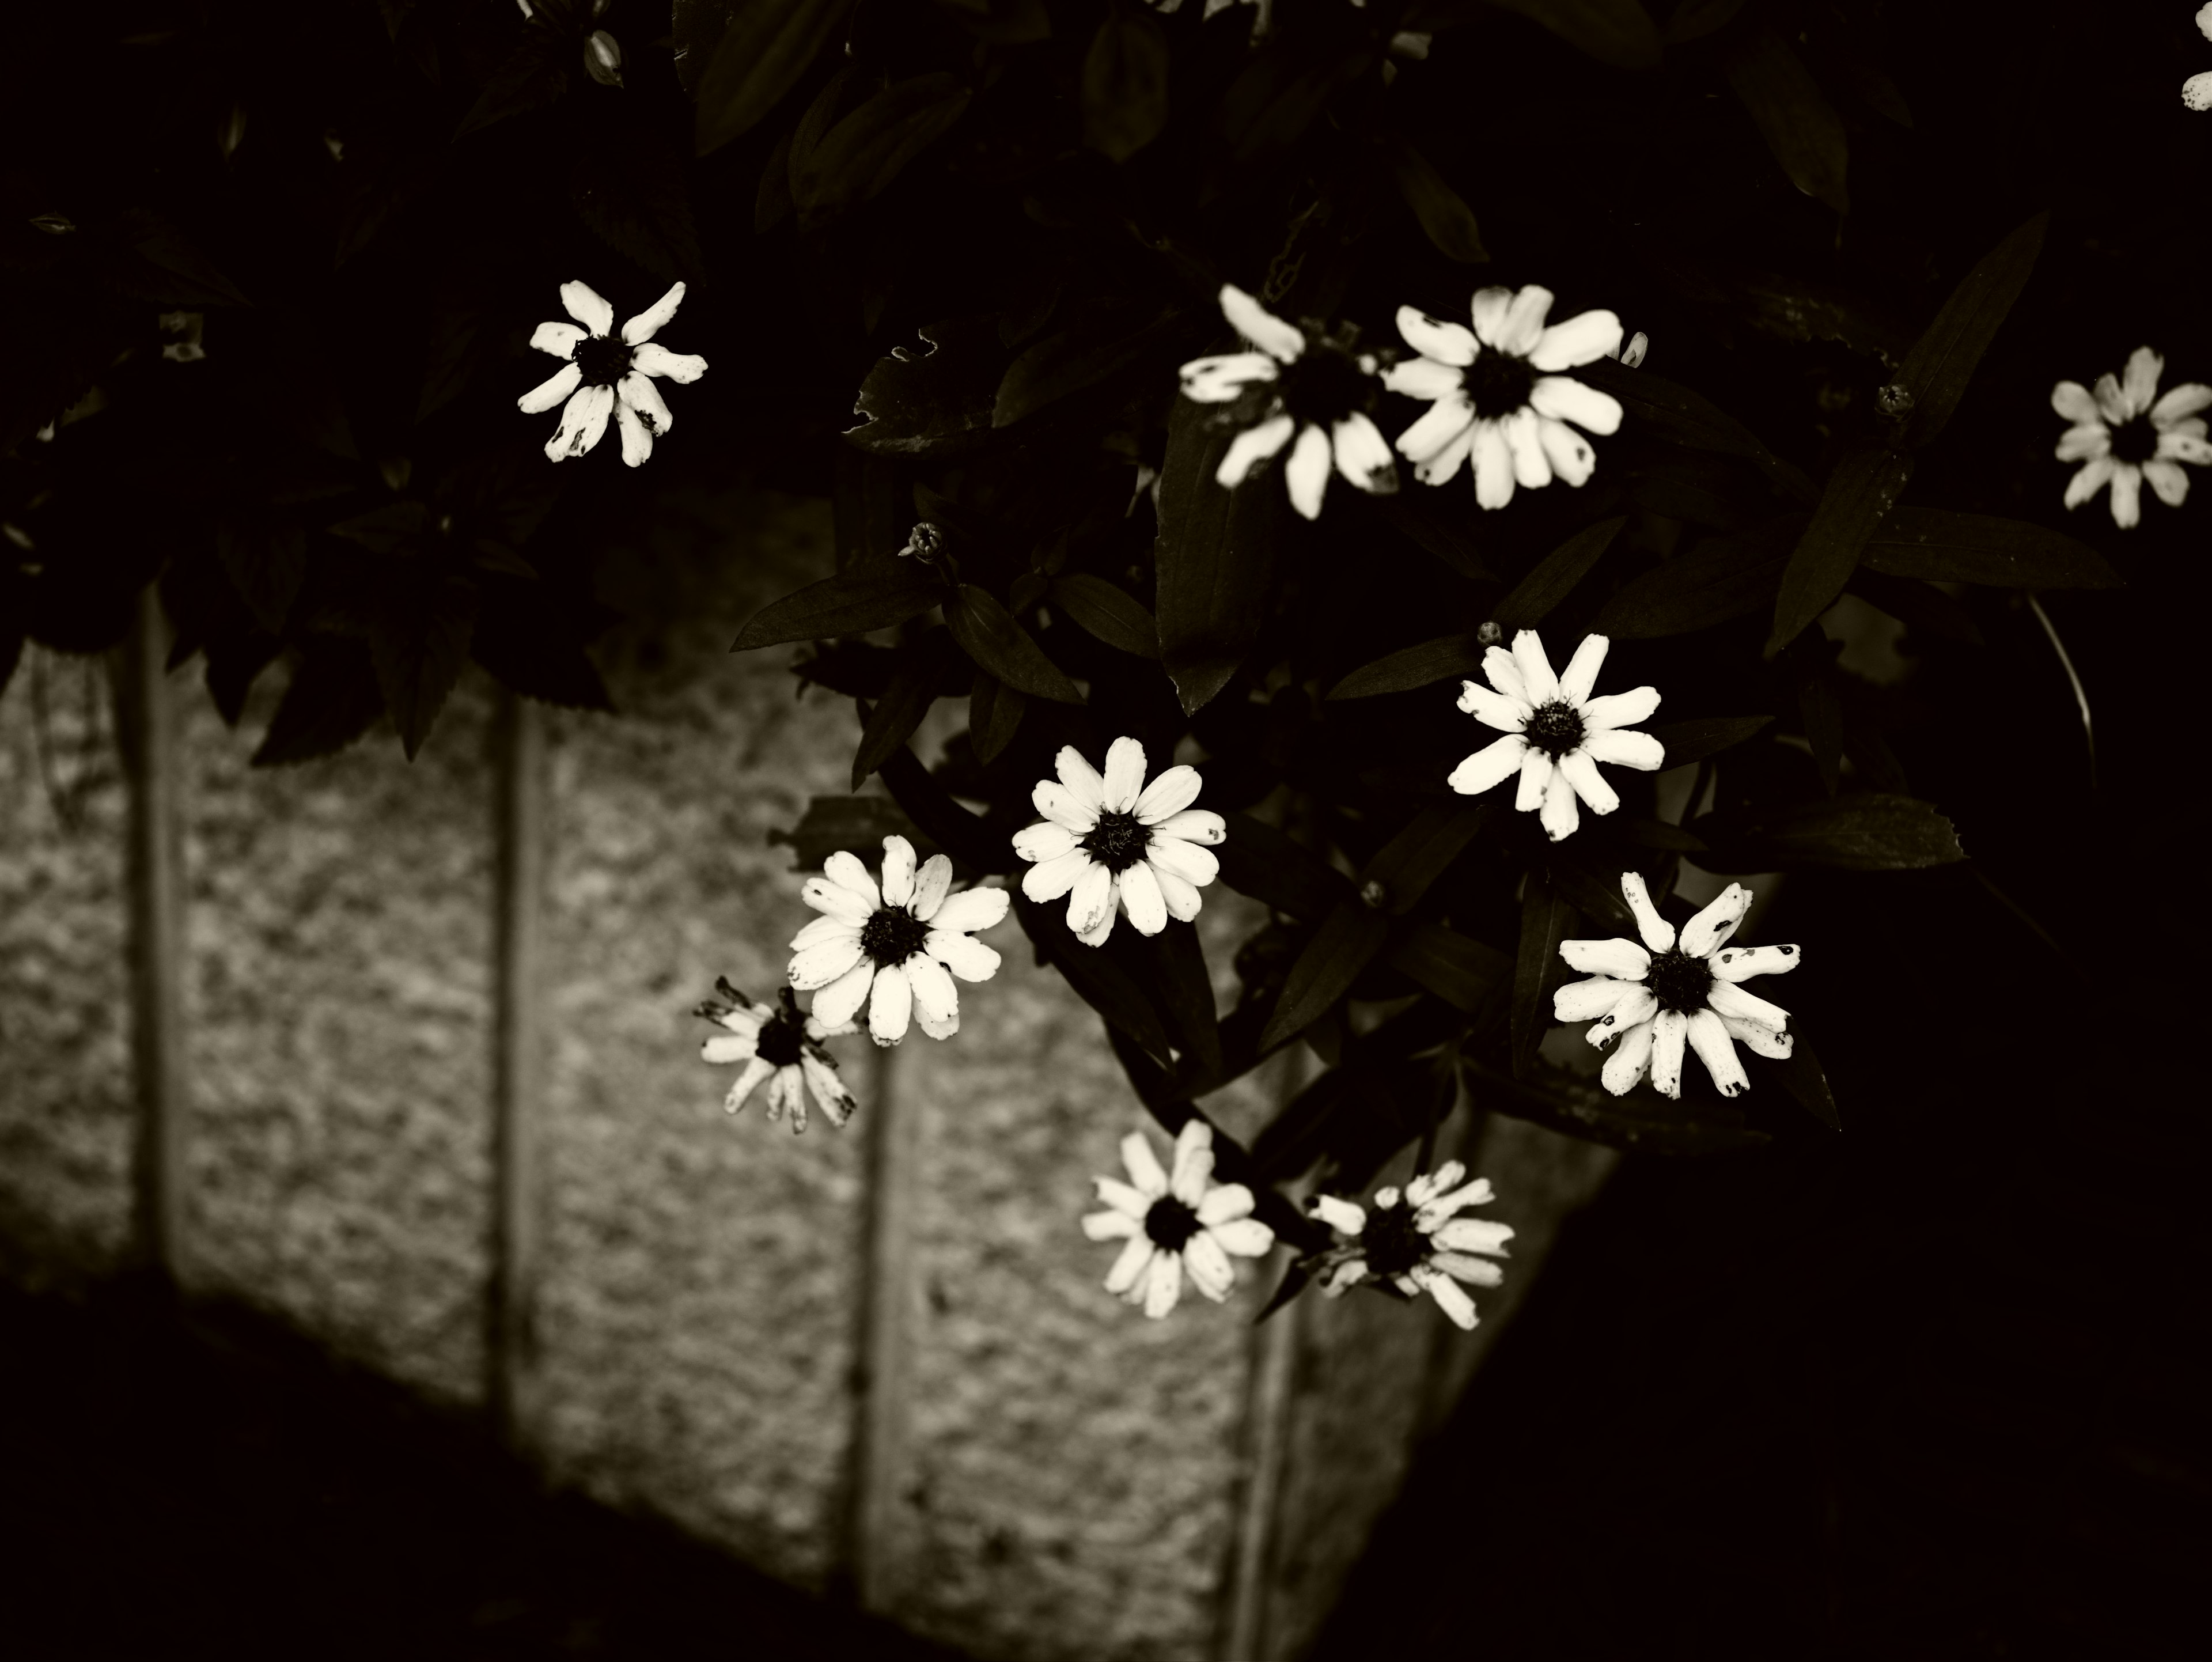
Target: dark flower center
{"x": 1498, "y": 382}
{"x": 782, "y": 1038}
{"x": 1325, "y": 384}
{"x": 1555, "y": 729}
{"x": 2135, "y": 442}
{"x": 604, "y": 360}
{"x": 1390, "y": 1243}
{"x": 1169, "y": 1223}
{"x": 1119, "y": 841}
{"x": 1679, "y": 981}
{"x": 892, "y": 936}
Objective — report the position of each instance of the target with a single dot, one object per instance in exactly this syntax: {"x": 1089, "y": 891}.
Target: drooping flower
{"x": 2124, "y": 433}
{"x": 606, "y": 377}
{"x": 2196, "y": 91}
{"x": 782, "y": 1046}
{"x": 1497, "y": 394}
{"x": 1116, "y": 842}
{"x": 1415, "y": 1241}
{"x": 1297, "y": 383}
{"x": 1556, "y": 733}
{"x": 1667, "y": 994}
{"x": 1175, "y": 1223}
{"x": 895, "y": 948}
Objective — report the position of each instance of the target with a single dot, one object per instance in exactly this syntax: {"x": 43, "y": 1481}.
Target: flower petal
{"x": 1143, "y": 1165}
{"x": 1759, "y": 1039}
{"x": 1636, "y": 1006}
{"x": 1343, "y": 1216}
{"x": 1279, "y": 340}
{"x": 1569, "y": 400}
{"x": 1422, "y": 378}
{"x": 1222, "y": 379}
{"x": 845, "y": 870}
{"x": 636, "y": 436}
{"x": 746, "y": 1083}
{"x": 1209, "y": 1268}
{"x": 890, "y": 1005}
{"x": 1052, "y": 879}
{"x": 1363, "y": 455}
{"x": 1709, "y": 1039}
{"x": 1658, "y": 933}
{"x": 1449, "y": 344}
{"x": 584, "y": 304}
{"x": 1577, "y": 769}
{"x": 639, "y": 393}
{"x": 2112, "y": 402}
{"x": 2185, "y": 399}
{"x": 1586, "y": 1001}
{"x": 1250, "y": 448}
{"x": 1505, "y": 675}
{"x": 1616, "y": 957}
{"x": 2139, "y": 383}
{"x": 1530, "y": 470}
{"x": 1445, "y": 420}
{"x": 1583, "y": 338}
{"x": 1728, "y": 999}
{"x": 1201, "y": 826}
{"x": 1194, "y": 1161}
{"x": 838, "y": 1002}
{"x": 2093, "y": 476}
{"x": 837, "y": 901}
{"x": 1559, "y": 816}
{"x": 2127, "y": 495}
{"x": 1141, "y": 899}
{"x": 1083, "y": 781}
{"x": 971, "y": 910}
{"x": 1196, "y": 864}
{"x": 1709, "y": 931}
{"x": 1741, "y": 963}
{"x": 1225, "y": 1203}
{"x": 1056, "y": 802}
{"x": 1523, "y": 326}
{"x": 934, "y": 883}
{"x": 898, "y": 871}
{"x": 547, "y": 394}
{"x": 1135, "y": 1259}
{"x": 1626, "y": 1065}
{"x": 1306, "y": 474}
{"x": 2167, "y": 479}
{"x": 649, "y": 322}
{"x": 1489, "y": 767}
{"x": 1132, "y": 1202}
{"x": 1125, "y": 775}
{"x": 1450, "y": 1297}
{"x": 823, "y": 963}
{"x": 1493, "y": 466}
{"x": 1180, "y": 893}
{"x": 1536, "y": 770}
{"x": 829, "y": 1090}
{"x": 558, "y": 338}
{"x": 2174, "y": 445}
{"x": 654, "y": 359}
{"x": 1567, "y": 451}
{"x": 1046, "y": 840}
{"x": 1534, "y": 667}
{"x": 1439, "y": 467}
{"x": 1619, "y": 709}
{"x": 962, "y": 954}
{"x": 1494, "y": 710}
{"x": 1091, "y": 901}
{"x": 1477, "y": 1272}
{"x": 1163, "y": 1285}
{"x": 1669, "y": 1029}
{"x": 1579, "y": 679}
{"x": 2091, "y": 438}
{"x": 1173, "y": 791}
{"x": 2072, "y": 400}
{"x": 583, "y": 423}
{"x": 1110, "y": 1226}
{"x": 1487, "y": 311}
{"x": 1247, "y": 1238}
{"x": 722, "y": 1049}
{"x": 936, "y": 999}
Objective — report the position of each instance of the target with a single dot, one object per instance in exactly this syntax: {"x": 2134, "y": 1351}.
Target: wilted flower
{"x": 1667, "y": 993}
{"x": 1298, "y": 382}
{"x": 895, "y": 948}
{"x": 1556, "y": 733}
{"x": 606, "y": 377}
{"x": 779, "y": 1045}
{"x": 1186, "y": 1221}
{"x": 602, "y": 58}
{"x": 1418, "y": 1245}
{"x": 2115, "y": 446}
{"x": 1497, "y": 394}
{"x": 1116, "y": 841}
{"x": 2196, "y": 91}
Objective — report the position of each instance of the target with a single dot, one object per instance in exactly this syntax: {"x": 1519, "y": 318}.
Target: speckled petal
{"x": 1489, "y": 767}
{"x": 1658, "y": 933}
{"x": 1449, "y": 344}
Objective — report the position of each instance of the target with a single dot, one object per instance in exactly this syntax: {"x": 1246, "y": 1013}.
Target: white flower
{"x": 1507, "y": 406}
{"x": 895, "y": 949}
{"x": 1556, "y": 733}
{"x": 1298, "y": 382}
{"x": 781, "y": 1046}
{"x": 606, "y": 376}
{"x": 1186, "y": 1222}
{"x": 2115, "y": 446}
{"x": 1419, "y": 1245}
{"x": 2196, "y": 91}
{"x": 1676, "y": 993}
{"x": 1116, "y": 842}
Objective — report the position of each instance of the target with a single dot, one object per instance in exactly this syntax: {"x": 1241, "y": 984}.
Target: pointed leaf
{"x": 1108, "y": 612}
{"x": 1858, "y": 831}
{"x": 767, "y": 45}
{"x": 1214, "y": 556}
{"x": 1616, "y": 32}
{"x": 994, "y": 715}
{"x": 1793, "y": 115}
{"x": 1260, "y": 861}
{"x": 849, "y": 605}
{"x": 1443, "y": 213}
{"x": 1692, "y": 741}
{"x": 1555, "y": 575}
{"x": 1075, "y": 359}
{"x": 831, "y": 823}
{"x": 1942, "y": 360}
{"x": 332, "y": 700}
{"x": 1346, "y": 942}
{"x": 1802, "y": 1076}
{"x": 1547, "y": 919}
{"x": 1717, "y": 579}
{"x": 937, "y": 402}
{"x": 1125, "y": 83}
{"x": 888, "y": 725}
{"x": 1098, "y": 981}
{"x": 1462, "y": 972}
{"x": 859, "y": 157}
{"x": 962, "y": 835}
{"x": 1860, "y": 494}
{"x": 1449, "y": 657}
{"x": 987, "y": 633}
{"x": 1939, "y": 546}
{"x": 418, "y": 646}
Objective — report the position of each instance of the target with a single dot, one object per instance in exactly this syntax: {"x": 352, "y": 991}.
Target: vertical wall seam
{"x": 154, "y": 890}
{"x": 521, "y": 815}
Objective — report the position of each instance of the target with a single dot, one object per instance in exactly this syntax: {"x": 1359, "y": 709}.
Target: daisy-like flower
{"x": 895, "y": 948}
{"x": 2115, "y": 446}
{"x": 1496, "y": 393}
{"x": 782, "y": 1046}
{"x": 606, "y": 376}
{"x": 1116, "y": 842}
{"x": 2196, "y": 91}
{"x": 1186, "y": 1221}
{"x": 1298, "y": 382}
{"x": 1416, "y": 1242}
{"x": 1556, "y": 733}
{"x": 1667, "y": 994}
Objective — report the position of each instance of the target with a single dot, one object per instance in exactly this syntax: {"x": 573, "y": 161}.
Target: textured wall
{"x": 66, "y": 1082}
{"x": 337, "y": 1026}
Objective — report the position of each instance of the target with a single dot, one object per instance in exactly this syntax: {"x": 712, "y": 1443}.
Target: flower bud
{"x": 924, "y": 542}
{"x": 1894, "y": 400}
{"x": 603, "y": 57}
{"x": 1490, "y": 634}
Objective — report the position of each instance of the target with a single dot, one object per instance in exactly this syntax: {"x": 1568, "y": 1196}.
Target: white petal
{"x": 1180, "y": 893}
{"x": 1056, "y": 802}
{"x": 1669, "y": 1029}
{"x": 1046, "y": 840}
{"x": 2079, "y": 443}
{"x": 1586, "y": 1001}
{"x": 890, "y": 1005}
{"x": 1616, "y": 957}
{"x": 845, "y": 870}
{"x": 1279, "y": 340}
{"x": 547, "y": 394}
{"x": 931, "y": 887}
{"x": 1247, "y": 1238}
{"x": 1534, "y": 667}
{"x": 962, "y": 954}
{"x": 1494, "y": 710}
{"x": 1658, "y": 933}
{"x": 585, "y": 306}
{"x": 1250, "y": 448}
{"x": 1131, "y": 1202}
{"x": 1577, "y": 768}
{"x": 1143, "y": 1166}
{"x": 829, "y": 1090}
{"x": 746, "y": 1084}
{"x": 1536, "y": 770}
{"x": 1569, "y": 400}
{"x": 1567, "y": 451}
{"x": 2174, "y": 445}
{"x": 1168, "y": 796}
{"x": 654, "y": 359}
{"x": 1530, "y": 470}
{"x": 1637, "y": 1008}
{"x": 1583, "y": 338}
{"x": 1448, "y": 418}
{"x": 1135, "y": 1259}
{"x": 1619, "y": 709}
{"x": 1493, "y": 466}
{"x": 1210, "y": 1270}
{"x": 2127, "y": 495}
{"x": 2196, "y": 91}
{"x": 1342, "y": 1216}
{"x": 723, "y": 1049}
{"x": 2072, "y": 400}
{"x": 2093, "y": 476}
{"x": 1761, "y": 1040}
{"x": 583, "y": 423}
{"x": 1626, "y": 1065}
{"x": 1710, "y": 928}
{"x": 1091, "y": 901}
{"x": 649, "y": 322}
{"x": 1110, "y": 1226}
{"x": 1741, "y": 963}
{"x": 1729, "y": 1000}
{"x": 898, "y": 871}
{"x": 1559, "y": 816}
{"x": 1221, "y": 380}
{"x": 1450, "y": 1298}
{"x": 1625, "y": 750}
{"x": 2112, "y": 402}
{"x": 1225, "y": 1203}
{"x": 1306, "y": 474}
{"x": 2168, "y": 479}
{"x": 636, "y": 437}
{"x": 970, "y": 910}
{"x": 837, "y": 901}
{"x": 1579, "y": 678}
{"x": 820, "y": 964}
{"x": 558, "y": 338}
{"x": 1193, "y": 1162}
{"x": 1055, "y": 878}
{"x": 641, "y": 395}
{"x": 1709, "y": 1039}
{"x": 936, "y": 999}
{"x": 1487, "y": 309}
{"x": 2139, "y": 383}
{"x": 2185, "y": 399}
{"x": 1505, "y": 675}
{"x": 1163, "y": 1285}
{"x": 1441, "y": 466}
{"x": 1194, "y": 826}
{"x": 1419, "y": 378}
{"x": 1142, "y": 899}
{"x": 1125, "y": 775}
{"x": 1489, "y": 767}
{"x": 1196, "y": 864}
{"x": 1523, "y": 326}
{"x": 1363, "y": 456}
{"x": 838, "y": 1002}
{"x": 1446, "y": 343}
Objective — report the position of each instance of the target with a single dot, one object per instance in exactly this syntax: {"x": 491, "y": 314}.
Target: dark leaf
{"x": 155, "y": 261}
{"x": 994, "y": 715}
{"x": 533, "y": 643}
{"x": 1555, "y": 575}
{"x": 1098, "y": 981}
{"x": 385, "y": 530}
{"x": 1858, "y": 831}
{"x": 937, "y": 403}
{"x": 1214, "y": 556}
{"x": 1695, "y": 19}
{"x": 1616, "y": 32}
{"x": 235, "y": 662}
{"x": 860, "y": 157}
{"x": 966, "y": 839}
{"x": 1258, "y": 861}
{"x": 1681, "y": 417}
{"x": 767, "y": 45}
{"x": 987, "y": 633}
{"x": 1942, "y": 360}
{"x": 1294, "y": 1283}
{"x": 852, "y": 604}
{"x": 1108, "y": 612}
{"x": 1398, "y": 876}
{"x": 266, "y": 563}
{"x": 531, "y": 77}
{"x": 1346, "y": 942}
{"x": 629, "y": 192}
{"x": 1125, "y": 83}
{"x": 1939, "y": 546}
{"x": 1802, "y": 1076}
{"x": 1420, "y": 515}
{"x": 1547, "y": 919}
{"x": 1793, "y": 115}
{"x": 887, "y": 727}
{"x": 1860, "y": 493}
{"x": 418, "y": 646}
{"x": 454, "y": 337}
{"x": 1590, "y": 883}
{"x": 332, "y": 700}
{"x": 1822, "y": 710}
{"x": 1658, "y": 834}
{"x": 1460, "y": 972}
{"x": 1274, "y": 100}
{"x": 1447, "y": 657}
{"x": 1074, "y": 359}
{"x": 695, "y": 30}
{"x": 1919, "y": 605}
{"x": 1443, "y": 213}
{"x": 1642, "y": 1122}
{"x": 772, "y": 201}
{"x": 1694, "y": 741}
{"x": 1719, "y": 579}
{"x": 855, "y": 823}
{"x": 1173, "y": 965}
